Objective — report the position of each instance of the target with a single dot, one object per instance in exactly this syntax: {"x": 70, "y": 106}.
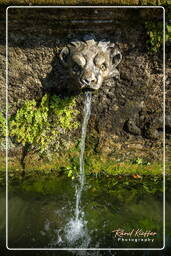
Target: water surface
{"x": 40, "y": 208}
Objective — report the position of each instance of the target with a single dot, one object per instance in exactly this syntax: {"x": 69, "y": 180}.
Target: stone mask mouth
{"x": 87, "y": 86}
{"x": 88, "y": 89}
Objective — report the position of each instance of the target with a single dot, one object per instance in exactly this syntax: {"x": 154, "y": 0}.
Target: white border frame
{"x": 87, "y": 249}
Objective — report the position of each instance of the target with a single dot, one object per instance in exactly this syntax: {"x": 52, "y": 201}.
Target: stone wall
{"x": 85, "y": 2}
{"x": 127, "y": 114}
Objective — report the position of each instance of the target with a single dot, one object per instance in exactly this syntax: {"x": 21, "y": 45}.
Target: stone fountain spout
{"x": 89, "y": 62}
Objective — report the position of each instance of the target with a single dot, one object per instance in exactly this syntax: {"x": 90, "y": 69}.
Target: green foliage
{"x": 137, "y": 161}
{"x": 168, "y": 24}
{"x": 72, "y": 172}
{"x": 168, "y": 32}
{"x": 2, "y": 126}
{"x": 155, "y": 35}
{"x": 140, "y": 161}
{"x": 41, "y": 124}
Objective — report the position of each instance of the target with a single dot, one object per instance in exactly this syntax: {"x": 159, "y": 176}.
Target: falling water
{"x": 87, "y": 112}
{"x": 76, "y": 228}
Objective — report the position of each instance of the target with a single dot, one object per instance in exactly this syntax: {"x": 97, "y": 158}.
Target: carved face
{"x": 89, "y": 63}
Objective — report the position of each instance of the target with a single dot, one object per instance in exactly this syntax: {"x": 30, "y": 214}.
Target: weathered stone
{"x": 124, "y": 112}
{"x": 89, "y": 62}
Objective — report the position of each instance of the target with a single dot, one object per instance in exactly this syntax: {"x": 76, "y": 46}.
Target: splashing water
{"x": 76, "y": 228}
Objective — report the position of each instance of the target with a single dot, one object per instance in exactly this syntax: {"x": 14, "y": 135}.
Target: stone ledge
{"x": 85, "y": 2}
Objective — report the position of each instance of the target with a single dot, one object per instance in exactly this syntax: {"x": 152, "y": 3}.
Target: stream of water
{"x": 76, "y": 228}
{"x": 87, "y": 112}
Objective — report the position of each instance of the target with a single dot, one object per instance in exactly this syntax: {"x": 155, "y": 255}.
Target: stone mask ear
{"x": 116, "y": 57}
{"x": 64, "y": 54}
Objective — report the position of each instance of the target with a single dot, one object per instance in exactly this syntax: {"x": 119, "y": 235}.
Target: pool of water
{"x": 41, "y": 213}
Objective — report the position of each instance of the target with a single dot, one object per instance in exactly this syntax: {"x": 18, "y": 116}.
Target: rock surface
{"x": 127, "y": 114}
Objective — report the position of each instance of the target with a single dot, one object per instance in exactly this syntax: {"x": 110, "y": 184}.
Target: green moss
{"x": 67, "y": 163}
{"x": 155, "y": 33}
{"x": 168, "y": 25}
{"x": 155, "y": 36}
{"x": 40, "y": 125}
{"x": 2, "y": 127}
{"x": 107, "y": 166}
{"x": 164, "y": 2}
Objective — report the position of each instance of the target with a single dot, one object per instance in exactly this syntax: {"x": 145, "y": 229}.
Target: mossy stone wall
{"x": 128, "y": 121}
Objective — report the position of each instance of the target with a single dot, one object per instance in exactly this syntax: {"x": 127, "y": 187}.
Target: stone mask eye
{"x": 103, "y": 67}
{"x": 76, "y": 67}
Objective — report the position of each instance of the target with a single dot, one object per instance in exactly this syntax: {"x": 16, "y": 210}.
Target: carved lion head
{"x": 90, "y": 62}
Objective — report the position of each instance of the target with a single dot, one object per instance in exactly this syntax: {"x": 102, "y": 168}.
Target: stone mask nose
{"x": 88, "y": 79}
